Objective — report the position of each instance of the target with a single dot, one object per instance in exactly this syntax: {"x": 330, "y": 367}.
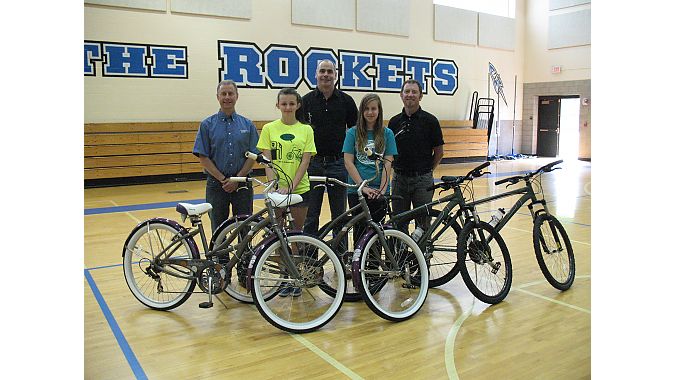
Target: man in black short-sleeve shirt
{"x": 330, "y": 112}
{"x": 420, "y": 144}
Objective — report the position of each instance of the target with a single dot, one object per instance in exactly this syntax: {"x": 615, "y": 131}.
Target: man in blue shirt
{"x": 220, "y": 144}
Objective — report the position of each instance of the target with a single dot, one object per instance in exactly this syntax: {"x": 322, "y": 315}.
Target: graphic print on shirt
{"x": 296, "y": 153}
{"x": 276, "y": 150}
{"x": 362, "y": 157}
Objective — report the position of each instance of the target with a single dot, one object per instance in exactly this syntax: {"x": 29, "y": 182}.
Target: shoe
{"x": 295, "y": 292}
{"x": 286, "y": 289}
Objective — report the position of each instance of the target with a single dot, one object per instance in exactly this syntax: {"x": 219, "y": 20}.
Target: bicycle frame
{"x": 528, "y": 195}
{"x": 364, "y": 216}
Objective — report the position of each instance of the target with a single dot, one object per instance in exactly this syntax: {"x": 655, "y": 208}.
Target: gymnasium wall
{"x": 558, "y": 34}
{"x": 374, "y": 26}
{"x": 400, "y": 28}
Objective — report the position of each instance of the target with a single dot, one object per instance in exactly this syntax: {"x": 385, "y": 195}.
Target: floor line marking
{"x": 585, "y": 276}
{"x": 449, "y": 348}
{"x": 328, "y": 358}
{"x": 137, "y": 220}
{"x": 117, "y": 332}
{"x": 553, "y": 300}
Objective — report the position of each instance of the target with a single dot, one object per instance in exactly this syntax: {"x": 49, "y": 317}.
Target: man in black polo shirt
{"x": 420, "y": 145}
{"x": 330, "y": 112}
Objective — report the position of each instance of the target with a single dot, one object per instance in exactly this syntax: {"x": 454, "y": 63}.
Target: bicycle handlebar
{"x": 451, "y": 181}
{"x": 268, "y": 186}
{"x": 260, "y": 158}
{"x": 545, "y": 169}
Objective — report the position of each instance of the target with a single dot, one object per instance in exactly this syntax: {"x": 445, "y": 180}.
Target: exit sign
{"x": 556, "y": 69}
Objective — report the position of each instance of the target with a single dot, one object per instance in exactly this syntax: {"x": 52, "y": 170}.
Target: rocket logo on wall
{"x": 136, "y": 60}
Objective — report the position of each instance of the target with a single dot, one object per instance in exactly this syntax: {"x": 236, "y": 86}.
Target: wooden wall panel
{"x": 118, "y": 150}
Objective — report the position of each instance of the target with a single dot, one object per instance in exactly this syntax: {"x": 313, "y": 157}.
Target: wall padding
{"x": 384, "y": 16}
{"x": 497, "y": 32}
{"x": 225, "y": 8}
{"x": 328, "y": 13}
{"x": 154, "y": 5}
{"x": 455, "y": 25}
{"x": 570, "y": 29}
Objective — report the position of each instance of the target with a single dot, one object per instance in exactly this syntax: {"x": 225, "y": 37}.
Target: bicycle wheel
{"x": 554, "y": 252}
{"x": 441, "y": 250}
{"x": 237, "y": 288}
{"x": 485, "y": 264}
{"x": 149, "y": 281}
{"x": 401, "y": 282}
{"x": 312, "y": 308}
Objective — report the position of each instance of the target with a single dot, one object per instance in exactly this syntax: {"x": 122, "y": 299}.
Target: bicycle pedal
{"x": 206, "y": 305}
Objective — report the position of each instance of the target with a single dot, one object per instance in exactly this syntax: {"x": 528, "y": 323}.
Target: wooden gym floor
{"x": 537, "y": 332}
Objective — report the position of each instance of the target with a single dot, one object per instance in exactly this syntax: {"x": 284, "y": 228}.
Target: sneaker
{"x": 286, "y": 290}
{"x": 295, "y": 292}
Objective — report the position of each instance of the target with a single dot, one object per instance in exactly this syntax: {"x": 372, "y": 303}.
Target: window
{"x": 504, "y": 8}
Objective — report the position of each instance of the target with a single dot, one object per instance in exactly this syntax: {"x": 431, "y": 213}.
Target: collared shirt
{"x": 225, "y": 139}
{"x": 416, "y": 137}
{"x": 329, "y": 118}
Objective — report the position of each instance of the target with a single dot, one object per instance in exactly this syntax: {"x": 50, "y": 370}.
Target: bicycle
{"x": 459, "y": 242}
{"x": 344, "y": 244}
{"x": 169, "y": 264}
{"x": 553, "y": 250}
{"x": 386, "y": 266}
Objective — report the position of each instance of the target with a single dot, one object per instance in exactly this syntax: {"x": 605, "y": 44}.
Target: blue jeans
{"x": 240, "y": 200}
{"x": 337, "y": 194}
{"x": 413, "y": 190}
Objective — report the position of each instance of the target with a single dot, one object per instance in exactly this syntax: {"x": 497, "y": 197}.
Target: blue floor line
{"x": 121, "y": 340}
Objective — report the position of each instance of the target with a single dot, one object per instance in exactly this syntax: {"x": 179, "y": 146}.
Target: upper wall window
{"x": 504, "y": 8}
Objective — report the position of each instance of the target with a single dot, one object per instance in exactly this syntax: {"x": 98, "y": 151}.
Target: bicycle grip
{"x": 500, "y": 182}
{"x": 484, "y": 165}
{"x": 239, "y": 179}
{"x": 317, "y": 178}
{"x": 508, "y": 179}
{"x": 549, "y": 166}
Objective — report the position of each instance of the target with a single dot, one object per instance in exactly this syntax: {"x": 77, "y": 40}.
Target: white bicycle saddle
{"x": 284, "y": 200}
{"x": 191, "y": 209}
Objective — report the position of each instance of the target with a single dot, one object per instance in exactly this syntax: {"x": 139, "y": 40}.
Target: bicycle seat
{"x": 191, "y": 209}
{"x": 284, "y": 200}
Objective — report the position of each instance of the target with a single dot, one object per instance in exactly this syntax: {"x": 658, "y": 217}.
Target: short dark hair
{"x": 412, "y": 81}
{"x": 289, "y": 91}
{"x": 225, "y": 83}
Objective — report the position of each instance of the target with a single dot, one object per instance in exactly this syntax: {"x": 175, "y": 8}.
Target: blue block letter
{"x": 242, "y": 63}
{"x": 169, "y": 62}
{"x": 125, "y": 60}
{"x": 390, "y": 76}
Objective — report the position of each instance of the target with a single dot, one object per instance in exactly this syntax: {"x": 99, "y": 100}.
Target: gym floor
{"x": 537, "y": 332}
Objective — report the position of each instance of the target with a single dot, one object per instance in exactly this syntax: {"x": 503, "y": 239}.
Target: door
{"x": 549, "y": 108}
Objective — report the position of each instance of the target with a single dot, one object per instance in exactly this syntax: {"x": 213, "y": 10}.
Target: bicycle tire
{"x": 557, "y": 266}
{"x": 237, "y": 287}
{"x": 396, "y": 299}
{"x": 480, "y": 250}
{"x": 143, "y": 243}
{"x": 313, "y": 308}
{"x": 442, "y": 252}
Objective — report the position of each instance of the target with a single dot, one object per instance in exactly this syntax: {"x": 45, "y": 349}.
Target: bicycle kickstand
{"x": 208, "y": 304}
